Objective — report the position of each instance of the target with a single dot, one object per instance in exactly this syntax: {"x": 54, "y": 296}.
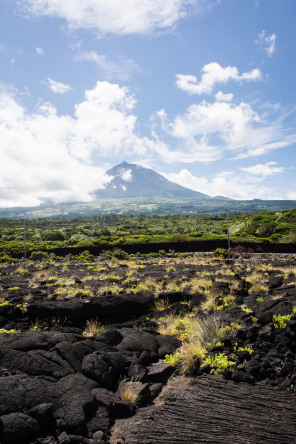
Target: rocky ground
{"x": 88, "y": 353}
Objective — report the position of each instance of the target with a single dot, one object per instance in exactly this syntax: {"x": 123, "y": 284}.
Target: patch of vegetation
{"x": 280, "y": 321}
{"x": 117, "y": 230}
{"x": 23, "y": 307}
{"x": 130, "y": 393}
{"x": 199, "y": 336}
{"x": 5, "y": 303}
{"x": 93, "y": 327}
{"x": 219, "y": 363}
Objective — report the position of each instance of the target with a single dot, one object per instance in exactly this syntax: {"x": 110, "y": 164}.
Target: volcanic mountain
{"x": 134, "y": 181}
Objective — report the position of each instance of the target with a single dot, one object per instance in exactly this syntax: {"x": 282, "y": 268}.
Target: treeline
{"x": 116, "y": 230}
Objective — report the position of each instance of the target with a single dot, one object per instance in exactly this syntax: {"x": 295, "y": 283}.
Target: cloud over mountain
{"x": 135, "y": 181}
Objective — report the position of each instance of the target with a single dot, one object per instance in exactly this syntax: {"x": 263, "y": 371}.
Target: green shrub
{"x": 280, "y": 321}
{"x": 6, "y": 258}
{"x": 53, "y": 235}
{"x": 118, "y": 253}
{"x": 219, "y": 362}
{"x": 38, "y": 255}
{"x": 219, "y": 252}
{"x": 85, "y": 256}
{"x": 173, "y": 360}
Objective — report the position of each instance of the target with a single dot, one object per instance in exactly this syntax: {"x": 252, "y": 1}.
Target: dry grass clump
{"x": 210, "y": 330}
{"x": 198, "y": 285}
{"x": 41, "y": 275}
{"x": 93, "y": 327}
{"x": 109, "y": 289}
{"x": 278, "y": 296}
{"x": 173, "y": 285}
{"x": 91, "y": 277}
{"x": 192, "y": 329}
{"x": 148, "y": 284}
{"x": 65, "y": 282}
{"x": 257, "y": 281}
{"x": 210, "y": 303}
{"x": 168, "y": 325}
{"x": 161, "y": 304}
{"x": 259, "y": 288}
{"x": 265, "y": 267}
{"x": 188, "y": 352}
{"x": 130, "y": 392}
{"x": 131, "y": 273}
{"x": 254, "y": 277}
{"x": 198, "y": 335}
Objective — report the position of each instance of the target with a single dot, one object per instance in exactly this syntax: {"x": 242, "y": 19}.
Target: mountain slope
{"x": 134, "y": 181}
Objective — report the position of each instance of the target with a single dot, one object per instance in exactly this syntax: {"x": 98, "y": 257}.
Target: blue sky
{"x": 202, "y": 91}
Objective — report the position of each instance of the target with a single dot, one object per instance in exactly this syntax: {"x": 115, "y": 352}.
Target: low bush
{"x": 5, "y": 258}
{"x": 38, "y": 255}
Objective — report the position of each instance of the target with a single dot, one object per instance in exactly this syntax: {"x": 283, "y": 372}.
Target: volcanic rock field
{"x": 159, "y": 348}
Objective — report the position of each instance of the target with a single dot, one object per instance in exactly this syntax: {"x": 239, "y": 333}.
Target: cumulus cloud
{"x": 115, "y": 16}
{"x": 57, "y": 87}
{"x": 263, "y": 170}
{"x": 122, "y": 70}
{"x": 232, "y": 184}
{"x": 50, "y": 156}
{"x": 106, "y": 121}
{"x": 221, "y": 97}
{"x": 41, "y": 168}
{"x": 40, "y": 51}
{"x": 267, "y": 42}
{"x": 212, "y": 74}
{"x": 207, "y": 131}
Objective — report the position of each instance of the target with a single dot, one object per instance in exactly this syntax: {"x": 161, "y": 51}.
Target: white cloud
{"x": 122, "y": 70}
{"x": 207, "y": 131}
{"x": 50, "y": 156}
{"x": 267, "y": 42}
{"x": 57, "y": 87}
{"x": 221, "y": 97}
{"x": 40, "y": 51}
{"x": 2, "y": 48}
{"x": 232, "y": 184}
{"x": 214, "y": 73}
{"x": 115, "y": 16}
{"x": 263, "y": 170}
{"x": 105, "y": 120}
{"x": 126, "y": 175}
{"x": 35, "y": 161}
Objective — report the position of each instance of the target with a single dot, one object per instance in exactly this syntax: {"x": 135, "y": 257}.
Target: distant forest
{"x": 116, "y": 230}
